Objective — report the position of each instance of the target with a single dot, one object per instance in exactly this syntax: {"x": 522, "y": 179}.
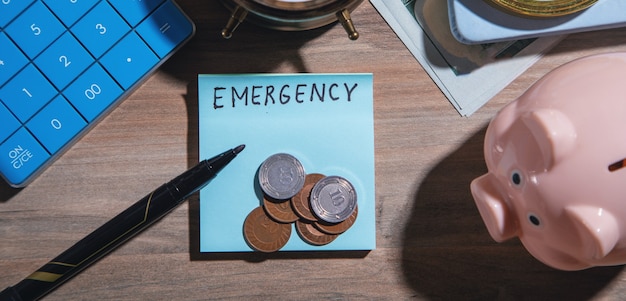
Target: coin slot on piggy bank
{"x": 617, "y": 165}
{"x": 291, "y": 15}
{"x": 554, "y": 180}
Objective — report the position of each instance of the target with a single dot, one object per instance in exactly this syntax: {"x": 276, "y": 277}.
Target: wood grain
{"x": 431, "y": 243}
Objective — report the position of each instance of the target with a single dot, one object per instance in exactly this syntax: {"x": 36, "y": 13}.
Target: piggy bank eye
{"x": 516, "y": 178}
{"x": 534, "y": 219}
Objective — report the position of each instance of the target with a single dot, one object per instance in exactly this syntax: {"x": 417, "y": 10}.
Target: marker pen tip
{"x": 239, "y": 148}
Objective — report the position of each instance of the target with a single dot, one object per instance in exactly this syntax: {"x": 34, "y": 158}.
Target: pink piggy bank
{"x": 554, "y": 159}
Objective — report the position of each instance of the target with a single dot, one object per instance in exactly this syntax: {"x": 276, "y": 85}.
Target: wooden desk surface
{"x": 431, "y": 242}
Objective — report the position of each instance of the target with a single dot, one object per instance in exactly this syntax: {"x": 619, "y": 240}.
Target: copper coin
{"x": 280, "y": 210}
{"x": 264, "y": 234}
{"x": 337, "y": 228}
{"x": 311, "y": 235}
{"x": 300, "y": 202}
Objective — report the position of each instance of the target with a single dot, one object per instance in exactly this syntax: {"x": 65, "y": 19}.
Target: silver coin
{"x": 281, "y": 176}
{"x": 333, "y": 199}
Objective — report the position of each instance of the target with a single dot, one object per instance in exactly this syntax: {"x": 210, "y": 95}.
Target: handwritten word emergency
{"x": 266, "y": 95}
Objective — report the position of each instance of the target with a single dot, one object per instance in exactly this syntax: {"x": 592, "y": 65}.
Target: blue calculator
{"x": 64, "y": 64}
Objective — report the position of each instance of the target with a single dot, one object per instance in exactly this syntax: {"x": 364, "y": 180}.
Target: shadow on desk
{"x": 7, "y": 192}
{"x": 448, "y": 254}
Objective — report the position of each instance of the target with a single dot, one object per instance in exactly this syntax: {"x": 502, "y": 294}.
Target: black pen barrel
{"x": 116, "y": 231}
{"x": 97, "y": 244}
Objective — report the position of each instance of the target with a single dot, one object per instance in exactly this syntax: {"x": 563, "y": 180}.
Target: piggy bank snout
{"x": 493, "y": 208}
{"x": 597, "y": 228}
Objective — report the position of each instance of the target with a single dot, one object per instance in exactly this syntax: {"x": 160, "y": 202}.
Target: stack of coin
{"x": 321, "y": 207}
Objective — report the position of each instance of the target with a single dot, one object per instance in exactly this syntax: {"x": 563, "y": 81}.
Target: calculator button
{"x": 56, "y": 124}
{"x": 129, "y": 60}
{"x": 27, "y": 92}
{"x": 93, "y": 92}
{"x": 135, "y": 10}
{"x": 165, "y": 28}
{"x": 11, "y": 59}
{"x": 63, "y": 60}
{"x": 9, "y": 123}
{"x": 100, "y": 29}
{"x": 10, "y": 9}
{"x": 20, "y": 156}
{"x": 69, "y": 11}
{"x": 35, "y": 29}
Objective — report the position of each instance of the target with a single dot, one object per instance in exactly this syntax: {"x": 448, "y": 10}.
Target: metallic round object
{"x": 295, "y": 5}
{"x": 333, "y": 199}
{"x": 281, "y": 176}
{"x": 280, "y": 211}
{"x": 312, "y": 235}
{"x": 291, "y": 15}
{"x": 300, "y": 202}
{"x": 337, "y": 228}
{"x": 543, "y": 8}
{"x": 264, "y": 234}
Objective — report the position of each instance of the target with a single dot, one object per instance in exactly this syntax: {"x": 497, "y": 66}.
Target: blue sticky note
{"x": 324, "y": 120}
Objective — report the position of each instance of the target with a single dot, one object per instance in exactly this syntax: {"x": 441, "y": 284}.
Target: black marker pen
{"x": 118, "y": 230}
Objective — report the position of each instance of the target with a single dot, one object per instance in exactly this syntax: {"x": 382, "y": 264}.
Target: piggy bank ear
{"x": 493, "y": 209}
{"x": 553, "y": 132}
{"x": 597, "y": 227}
